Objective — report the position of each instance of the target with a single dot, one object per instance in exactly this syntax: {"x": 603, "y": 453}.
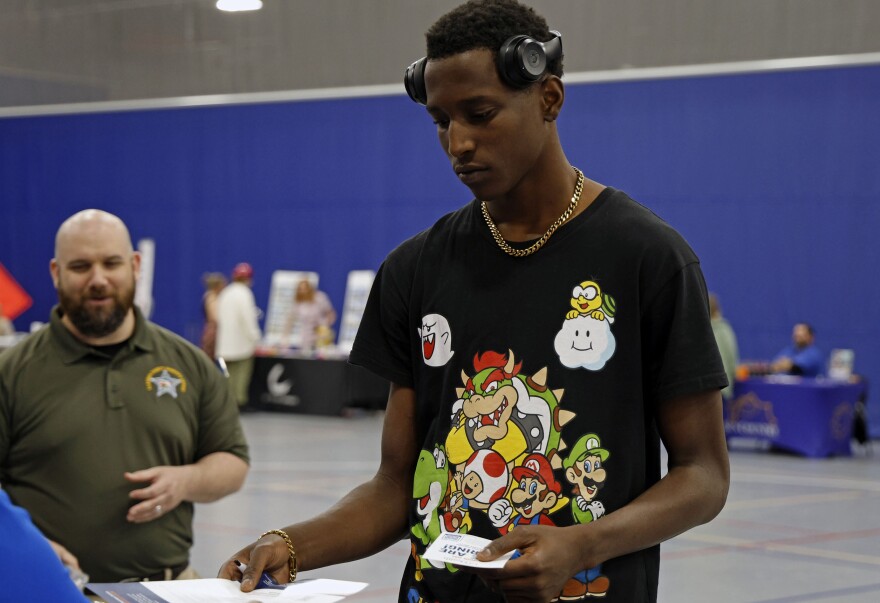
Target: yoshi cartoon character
{"x": 430, "y": 486}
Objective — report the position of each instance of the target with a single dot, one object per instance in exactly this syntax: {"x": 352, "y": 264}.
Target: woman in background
{"x": 311, "y": 317}
{"x": 214, "y": 283}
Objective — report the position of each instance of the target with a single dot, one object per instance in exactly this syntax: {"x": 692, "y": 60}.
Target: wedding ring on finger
{"x": 158, "y": 509}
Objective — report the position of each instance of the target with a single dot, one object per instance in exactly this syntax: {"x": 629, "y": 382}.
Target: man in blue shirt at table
{"x": 33, "y": 570}
{"x": 801, "y": 357}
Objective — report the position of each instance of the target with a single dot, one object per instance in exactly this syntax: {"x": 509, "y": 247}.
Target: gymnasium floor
{"x": 794, "y": 529}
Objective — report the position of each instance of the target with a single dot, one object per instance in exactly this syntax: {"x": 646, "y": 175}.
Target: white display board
{"x": 143, "y": 293}
{"x": 357, "y": 289}
{"x": 282, "y": 295}
{"x": 840, "y": 364}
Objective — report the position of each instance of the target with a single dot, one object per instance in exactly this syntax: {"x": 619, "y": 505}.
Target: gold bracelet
{"x": 291, "y": 554}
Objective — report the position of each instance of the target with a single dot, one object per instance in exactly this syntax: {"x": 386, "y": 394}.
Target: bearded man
{"x": 110, "y": 424}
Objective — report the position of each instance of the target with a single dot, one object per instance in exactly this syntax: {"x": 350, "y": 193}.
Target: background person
{"x": 238, "y": 330}
{"x": 6, "y": 326}
{"x": 311, "y": 316}
{"x": 111, "y": 425}
{"x": 214, "y": 283}
{"x": 801, "y": 357}
{"x": 558, "y": 318}
{"x": 727, "y": 344}
{"x": 34, "y": 572}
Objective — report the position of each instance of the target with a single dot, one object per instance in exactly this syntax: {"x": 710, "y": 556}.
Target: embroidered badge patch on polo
{"x": 165, "y": 380}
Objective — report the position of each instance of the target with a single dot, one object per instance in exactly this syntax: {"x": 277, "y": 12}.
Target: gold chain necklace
{"x": 506, "y": 248}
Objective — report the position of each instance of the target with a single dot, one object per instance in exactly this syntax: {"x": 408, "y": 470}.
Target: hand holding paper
{"x": 528, "y": 564}
{"x": 461, "y": 550}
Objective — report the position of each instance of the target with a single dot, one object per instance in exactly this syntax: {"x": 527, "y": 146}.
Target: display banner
{"x": 357, "y": 289}
{"x": 13, "y": 298}
{"x": 143, "y": 295}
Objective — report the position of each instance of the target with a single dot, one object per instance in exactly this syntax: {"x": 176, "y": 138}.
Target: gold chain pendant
{"x": 506, "y": 248}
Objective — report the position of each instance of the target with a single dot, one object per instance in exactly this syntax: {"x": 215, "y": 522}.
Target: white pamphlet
{"x": 461, "y": 550}
{"x": 217, "y": 590}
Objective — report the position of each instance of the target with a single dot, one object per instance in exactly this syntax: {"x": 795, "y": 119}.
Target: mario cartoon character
{"x": 534, "y": 495}
{"x": 585, "y": 470}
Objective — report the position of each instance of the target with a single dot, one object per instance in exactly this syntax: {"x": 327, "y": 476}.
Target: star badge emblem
{"x": 165, "y": 384}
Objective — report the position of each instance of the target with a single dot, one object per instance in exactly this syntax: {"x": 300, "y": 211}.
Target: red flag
{"x": 13, "y": 299}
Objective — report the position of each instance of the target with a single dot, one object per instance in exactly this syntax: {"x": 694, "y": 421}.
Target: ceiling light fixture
{"x": 235, "y": 6}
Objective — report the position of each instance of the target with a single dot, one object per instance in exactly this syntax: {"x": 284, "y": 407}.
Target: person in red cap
{"x": 238, "y": 331}
{"x": 242, "y": 271}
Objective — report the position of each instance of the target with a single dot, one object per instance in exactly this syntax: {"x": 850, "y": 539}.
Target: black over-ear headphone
{"x": 521, "y": 60}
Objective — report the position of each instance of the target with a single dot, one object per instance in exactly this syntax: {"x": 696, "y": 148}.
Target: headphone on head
{"x": 522, "y": 61}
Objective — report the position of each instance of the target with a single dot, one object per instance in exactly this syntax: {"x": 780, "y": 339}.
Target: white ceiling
{"x": 63, "y": 51}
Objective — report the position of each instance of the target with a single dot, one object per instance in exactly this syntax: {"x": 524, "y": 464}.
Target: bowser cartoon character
{"x": 506, "y": 411}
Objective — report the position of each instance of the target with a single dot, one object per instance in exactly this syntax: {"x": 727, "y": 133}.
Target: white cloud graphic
{"x": 585, "y": 342}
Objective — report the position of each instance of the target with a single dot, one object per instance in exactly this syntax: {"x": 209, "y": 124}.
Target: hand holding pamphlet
{"x": 461, "y": 550}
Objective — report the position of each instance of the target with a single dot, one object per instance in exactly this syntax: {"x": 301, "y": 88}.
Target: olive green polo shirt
{"x": 73, "y": 420}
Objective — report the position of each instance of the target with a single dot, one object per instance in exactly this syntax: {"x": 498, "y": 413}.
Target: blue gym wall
{"x": 774, "y": 179}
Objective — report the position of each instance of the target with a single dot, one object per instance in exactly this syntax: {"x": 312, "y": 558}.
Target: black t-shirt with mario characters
{"x": 538, "y": 379}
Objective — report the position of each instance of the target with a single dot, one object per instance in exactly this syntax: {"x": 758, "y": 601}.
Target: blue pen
{"x": 265, "y": 581}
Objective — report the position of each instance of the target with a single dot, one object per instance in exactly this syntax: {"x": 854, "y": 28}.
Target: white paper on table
{"x": 218, "y": 590}
{"x": 461, "y": 549}
{"x": 323, "y": 586}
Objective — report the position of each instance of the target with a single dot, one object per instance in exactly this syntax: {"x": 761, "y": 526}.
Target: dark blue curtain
{"x": 773, "y": 178}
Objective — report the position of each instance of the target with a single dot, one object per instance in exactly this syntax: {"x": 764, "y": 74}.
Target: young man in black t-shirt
{"x": 540, "y": 342}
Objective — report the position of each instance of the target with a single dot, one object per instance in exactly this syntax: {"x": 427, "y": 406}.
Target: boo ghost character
{"x": 436, "y": 340}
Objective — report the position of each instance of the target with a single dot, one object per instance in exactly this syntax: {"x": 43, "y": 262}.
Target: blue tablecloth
{"x": 812, "y": 417}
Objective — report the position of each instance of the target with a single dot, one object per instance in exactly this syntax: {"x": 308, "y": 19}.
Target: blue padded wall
{"x": 772, "y": 178}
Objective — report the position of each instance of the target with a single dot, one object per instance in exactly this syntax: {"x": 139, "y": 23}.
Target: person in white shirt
{"x": 238, "y": 330}
{"x": 727, "y": 344}
{"x": 6, "y": 327}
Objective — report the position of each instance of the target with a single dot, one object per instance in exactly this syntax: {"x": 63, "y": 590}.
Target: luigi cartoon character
{"x": 585, "y": 471}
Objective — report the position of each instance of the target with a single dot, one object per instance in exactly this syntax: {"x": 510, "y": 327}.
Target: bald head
{"x": 92, "y": 222}
{"x": 94, "y": 271}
